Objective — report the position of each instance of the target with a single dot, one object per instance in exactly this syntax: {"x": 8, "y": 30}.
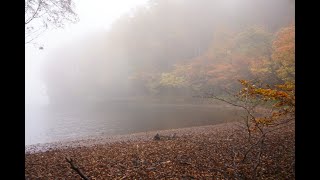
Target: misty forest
{"x": 171, "y": 89}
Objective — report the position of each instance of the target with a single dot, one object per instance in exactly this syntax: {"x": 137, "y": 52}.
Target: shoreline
{"x": 90, "y": 141}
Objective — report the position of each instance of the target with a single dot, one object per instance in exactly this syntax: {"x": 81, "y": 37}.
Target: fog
{"x": 111, "y": 72}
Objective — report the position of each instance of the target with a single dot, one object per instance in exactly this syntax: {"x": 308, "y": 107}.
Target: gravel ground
{"x": 206, "y": 152}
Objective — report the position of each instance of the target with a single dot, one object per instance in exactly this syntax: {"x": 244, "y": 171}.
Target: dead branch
{"x": 259, "y": 158}
{"x": 75, "y": 167}
{"x": 253, "y": 145}
{"x": 34, "y": 14}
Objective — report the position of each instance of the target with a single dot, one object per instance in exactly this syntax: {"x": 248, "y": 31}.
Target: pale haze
{"x": 160, "y": 89}
{"x": 135, "y": 66}
{"x": 95, "y": 16}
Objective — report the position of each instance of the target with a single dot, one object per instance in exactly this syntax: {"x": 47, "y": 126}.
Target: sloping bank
{"x": 192, "y": 153}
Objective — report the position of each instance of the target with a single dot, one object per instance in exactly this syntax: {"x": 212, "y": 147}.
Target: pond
{"x": 45, "y": 124}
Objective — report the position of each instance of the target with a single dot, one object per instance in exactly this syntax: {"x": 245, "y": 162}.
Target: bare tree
{"x": 259, "y": 121}
{"x": 43, "y": 14}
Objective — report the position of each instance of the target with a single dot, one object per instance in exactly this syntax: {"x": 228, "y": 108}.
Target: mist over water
{"x": 114, "y": 80}
{"x": 47, "y": 125}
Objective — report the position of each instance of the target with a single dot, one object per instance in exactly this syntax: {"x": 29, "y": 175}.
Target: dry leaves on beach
{"x": 209, "y": 152}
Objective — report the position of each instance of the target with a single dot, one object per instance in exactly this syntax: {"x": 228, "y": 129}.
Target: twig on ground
{"x": 75, "y": 167}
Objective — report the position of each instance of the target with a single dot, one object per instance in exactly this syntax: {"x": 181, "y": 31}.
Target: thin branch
{"x": 35, "y": 37}
{"x": 75, "y": 167}
{"x": 55, "y": 4}
{"x": 30, "y": 33}
{"x": 237, "y": 105}
{"x": 248, "y": 129}
{"x": 35, "y": 13}
{"x": 247, "y": 152}
{"x": 259, "y": 159}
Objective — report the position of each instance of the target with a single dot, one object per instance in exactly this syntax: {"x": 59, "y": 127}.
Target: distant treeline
{"x": 177, "y": 48}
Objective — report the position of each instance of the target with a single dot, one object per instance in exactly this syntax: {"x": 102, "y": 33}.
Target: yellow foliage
{"x": 282, "y": 96}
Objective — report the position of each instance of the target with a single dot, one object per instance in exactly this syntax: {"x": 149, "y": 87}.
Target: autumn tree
{"x": 283, "y": 55}
{"x": 268, "y": 107}
{"x": 277, "y": 68}
{"x": 227, "y": 59}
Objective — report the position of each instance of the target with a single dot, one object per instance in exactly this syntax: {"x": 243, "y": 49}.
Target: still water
{"x": 45, "y": 124}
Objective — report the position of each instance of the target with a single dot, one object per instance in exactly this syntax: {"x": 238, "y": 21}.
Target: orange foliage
{"x": 284, "y": 53}
{"x": 282, "y": 96}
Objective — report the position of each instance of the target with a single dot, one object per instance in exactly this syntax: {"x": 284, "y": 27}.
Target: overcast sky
{"x": 95, "y": 16}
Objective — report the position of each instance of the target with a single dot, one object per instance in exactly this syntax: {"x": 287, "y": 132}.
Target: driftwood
{"x": 75, "y": 167}
{"x": 158, "y": 137}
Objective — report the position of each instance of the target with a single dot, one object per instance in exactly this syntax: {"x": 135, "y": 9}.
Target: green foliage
{"x": 254, "y": 42}
{"x": 169, "y": 79}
